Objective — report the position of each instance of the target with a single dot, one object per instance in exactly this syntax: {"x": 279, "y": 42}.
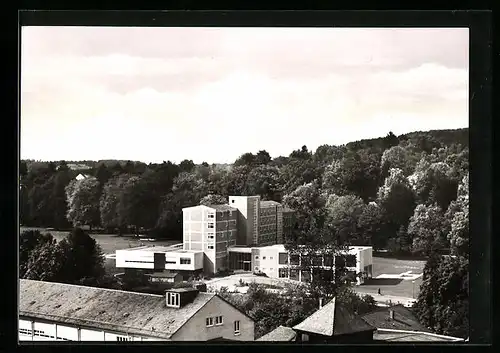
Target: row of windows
{"x": 210, "y": 321}
{"x": 39, "y": 333}
{"x": 263, "y": 257}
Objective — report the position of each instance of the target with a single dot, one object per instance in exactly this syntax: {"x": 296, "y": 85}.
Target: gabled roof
{"x": 404, "y": 319}
{"x": 333, "y": 320}
{"x": 280, "y": 334}
{"x": 107, "y": 309}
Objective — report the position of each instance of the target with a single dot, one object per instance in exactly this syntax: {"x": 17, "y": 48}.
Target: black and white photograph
{"x": 293, "y": 185}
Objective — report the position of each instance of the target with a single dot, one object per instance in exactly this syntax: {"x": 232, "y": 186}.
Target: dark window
{"x": 317, "y": 260}
{"x": 328, "y": 261}
{"x": 210, "y": 225}
{"x": 306, "y": 260}
{"x": 350, "y": 261}
{"x": 294, "y": 274}
{"x": 185, "y": 261}
{"x": 283, "y": 258}
{"x": 283, "y": 273}
{"x": 294, "y": 259}
{"x": 340, "y": 260}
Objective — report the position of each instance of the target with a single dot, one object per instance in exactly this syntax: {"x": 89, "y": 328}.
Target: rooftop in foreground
{"x": 411, "y": 336}
{"x": 107, "y": 309}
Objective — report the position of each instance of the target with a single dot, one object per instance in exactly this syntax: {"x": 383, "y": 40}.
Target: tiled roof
{"x": 333, "y": 320}
{"x": 403, "y": 319}
{"x": 135, "y": 313}
{"x": 280, "y": 334}
{"x": 222, "y": 207}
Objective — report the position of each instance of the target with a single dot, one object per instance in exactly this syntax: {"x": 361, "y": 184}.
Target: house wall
{"x": 196, "y": 326}
{"x": 265, "y": 260}
{"x": 248, "y": 218}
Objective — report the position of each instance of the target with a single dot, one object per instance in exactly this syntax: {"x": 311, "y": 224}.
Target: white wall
{"x": 91, "y": 335}
{"x": 44, "y": 329}
{"x": 70, "y": 333}
{"x": 122, "y": 256}
{"x": 67, "y": 332}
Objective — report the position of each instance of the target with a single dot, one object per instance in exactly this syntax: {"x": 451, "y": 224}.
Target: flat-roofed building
{"x": 210, "y": 229}
{"x": 160, "y": 258}
{"x": 276, "y": 262}
{"x": 248, "y": 218}
{"x": 270, "y": 224}
{"x": 64, "y": 312}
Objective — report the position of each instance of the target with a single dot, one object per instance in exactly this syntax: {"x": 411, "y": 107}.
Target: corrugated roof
{"x": 333, "y": 320}
{"x": 403, "y": 319}
{"x": 135, "y": 313}
{"x": 222, "y": 207}
{"x": 280, "y": 334}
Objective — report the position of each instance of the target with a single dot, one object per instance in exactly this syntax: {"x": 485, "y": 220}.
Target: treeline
{"x": 379, "y": 192}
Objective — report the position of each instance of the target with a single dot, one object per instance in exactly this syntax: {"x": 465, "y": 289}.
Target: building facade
{"x": 247, "y": 235}
{"x": 64, "y": 312}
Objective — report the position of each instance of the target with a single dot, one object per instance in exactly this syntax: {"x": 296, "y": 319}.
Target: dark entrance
{"x": 159, "y": 261}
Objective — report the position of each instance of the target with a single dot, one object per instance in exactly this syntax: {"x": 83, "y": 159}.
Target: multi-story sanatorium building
{"x": 246, "y": 234}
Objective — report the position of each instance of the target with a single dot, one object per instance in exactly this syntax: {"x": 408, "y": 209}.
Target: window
{"x": 350, "y": 261}
{"x": 283, "y": 258}
{"x": 185, "y": 261}
{"x": 218, "y": 320}
{"x": 210, "y": 247}
{"x": 232, "y": 201}
{"x": 256, "y": 257}
{"x": 210, "y": 225}
{"x": 270, "y": 257}
{"x": 211, "y": 215}
{"x": 305, "y": 337}
{"x": 123, "y": 338}
{"x": 256, "y": 268}
{"x": 283, "y": 273}
{"x": 211, "y": 237}
{"x": 210, "y": 321}
{"x": 172, "y": 299}
{"x": 236, "y": 327}
{"x": 263, "y": 257}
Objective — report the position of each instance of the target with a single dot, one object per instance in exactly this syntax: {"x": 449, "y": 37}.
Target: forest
{"x": 397, "y": 193}
{"x": 406, "y": 194}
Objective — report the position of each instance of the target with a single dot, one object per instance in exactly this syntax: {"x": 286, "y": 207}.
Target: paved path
{"x": 384, "y": 299}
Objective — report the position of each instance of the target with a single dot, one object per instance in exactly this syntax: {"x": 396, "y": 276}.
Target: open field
{"x": 109, "y": 243}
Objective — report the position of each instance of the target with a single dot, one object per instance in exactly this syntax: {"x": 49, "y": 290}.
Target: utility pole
{"x": 413, "y": 289}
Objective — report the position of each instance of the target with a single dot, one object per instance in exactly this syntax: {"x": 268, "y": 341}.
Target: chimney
{"x": 320, "y": 303}
{"x": 391, "y": 314}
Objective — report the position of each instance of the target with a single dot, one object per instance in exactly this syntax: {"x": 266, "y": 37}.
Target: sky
{"x": 212, "y": 94}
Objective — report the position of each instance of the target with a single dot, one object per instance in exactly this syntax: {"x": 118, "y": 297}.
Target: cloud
{"x": 213, "y": 94}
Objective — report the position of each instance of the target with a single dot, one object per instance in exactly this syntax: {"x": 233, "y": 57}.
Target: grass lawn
{"x": 109, "y": 243}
